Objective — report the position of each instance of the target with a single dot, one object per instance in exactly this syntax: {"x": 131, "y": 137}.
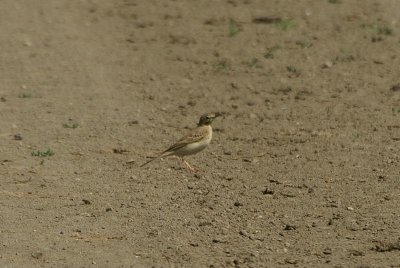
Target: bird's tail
{"x": 149, "y": 161}
{"x": 163, "y": 154}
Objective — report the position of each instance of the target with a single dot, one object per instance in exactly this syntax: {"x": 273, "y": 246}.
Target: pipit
{"x": 195, "y": 141}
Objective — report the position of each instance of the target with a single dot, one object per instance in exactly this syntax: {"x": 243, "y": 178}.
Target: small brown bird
{"x": 195, "y": 141}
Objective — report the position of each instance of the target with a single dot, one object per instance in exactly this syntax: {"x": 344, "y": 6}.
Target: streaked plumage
{"x": 195, "y": 141}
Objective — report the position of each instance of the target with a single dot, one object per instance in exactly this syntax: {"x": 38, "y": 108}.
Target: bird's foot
{"x": 192, "y": 169}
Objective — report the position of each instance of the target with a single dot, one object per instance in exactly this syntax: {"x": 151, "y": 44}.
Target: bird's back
{"x": 195, "y": 141}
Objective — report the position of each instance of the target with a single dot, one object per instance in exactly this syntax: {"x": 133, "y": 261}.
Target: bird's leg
{"x": 189, "y": 166}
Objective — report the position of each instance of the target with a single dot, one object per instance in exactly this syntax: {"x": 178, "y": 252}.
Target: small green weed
{"x": 292, "y": 69}
{"x": 385, "y": 30}
{"x": 25, "y": 95}
{"x": 270, "y": 52}
{"x": 70, "y": 125}
{"x": 344, "y": 56}
{"x": 381, "y": 30}
{"x": 304, "y": 44}
{"x": 233, "y": 28}
{"x": 284, "y": 24}
{"x": 42, "y": 153}
{"x": 222, "y": 65}
{"x": 253, "y": 63}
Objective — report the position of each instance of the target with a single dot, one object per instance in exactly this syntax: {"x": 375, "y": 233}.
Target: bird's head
{"x": 207, "y": 119}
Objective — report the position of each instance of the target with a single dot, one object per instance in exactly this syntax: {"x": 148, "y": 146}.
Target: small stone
{"x": 377, "y": 61}
{"x": 86, "y": 202}
{"x": 395, "y": 87}
{"x": 251, "y": 87}
{"x": 268, "y": 191}
{"x": 191, "y": 103}
{"x": 375, "y": 39}
{"x": 327, "y": 64}
{"x": 133, "y": 122}
{"x": 350, "y": 208}
{"x": 354, "y": 227}
{"x": 238, "y": 204}
{"x": 291, "y": 261}
{"x": 218, "y": 240}
{"x": 354, "y": 252}
{"x": 27, "y": 43}
{"x": 37, "y": 255}
{"x": 289, "y": 227}
{"x": 120, "y": 151}
{"x": 244, "y": 233}
{"x": 17, "y": 137}
{"x": 255, "y": 254}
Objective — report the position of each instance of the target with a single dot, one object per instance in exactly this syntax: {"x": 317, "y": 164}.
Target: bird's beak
{"x": 218, "y": 114}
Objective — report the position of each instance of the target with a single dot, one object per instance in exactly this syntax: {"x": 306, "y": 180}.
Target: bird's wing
{"x": 195, "y": 135}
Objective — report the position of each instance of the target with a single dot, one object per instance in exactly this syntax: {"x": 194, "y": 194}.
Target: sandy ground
{"x": 303, "y": 170}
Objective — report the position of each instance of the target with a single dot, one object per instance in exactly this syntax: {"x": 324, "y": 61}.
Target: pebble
{"x": 17, "y": 137}
{"x": 244, "y": 233}
{"x": 251, "y": 87}
{"x": 37, "y": 255}
{"x": 268, "y": 191}
{"x": 238, "y": 204}
{"x": 289, "y": 227}
{"x": 291, "y": 261}
{"x": 327, "y": 64}
{"x": 27, "y": 43}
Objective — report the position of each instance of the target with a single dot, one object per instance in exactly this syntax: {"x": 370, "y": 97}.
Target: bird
{"x": 192, "y": 143}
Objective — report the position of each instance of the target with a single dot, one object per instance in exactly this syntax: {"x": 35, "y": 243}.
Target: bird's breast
{"x": 196, "y": 147}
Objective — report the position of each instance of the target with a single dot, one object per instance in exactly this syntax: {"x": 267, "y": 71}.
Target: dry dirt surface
{"x": 303, "y": 170}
